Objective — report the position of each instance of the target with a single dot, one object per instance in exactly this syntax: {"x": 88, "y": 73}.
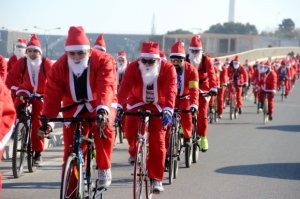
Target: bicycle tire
{"x": 171, "y": 158}
{"x": 231, "y": 108}
{"x": 188, "y": 157}
{"x": 31, "y": 166}
{"x": 18, "y": 155}
{"x": 265, "y": 111}
{"x": 138, "y": 173}
{"x": 177, "y": 150}
{"x": 195, "y": 146}
{"x": 71, "y": 167}
{"x": 91, "y": 171}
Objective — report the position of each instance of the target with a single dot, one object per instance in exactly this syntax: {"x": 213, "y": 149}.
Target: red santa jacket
{"x": 270, "y": 82}
{"x": 133, "y": 91}
{"x": 11, "y": 62}
{"x": 206, "y": 72}
{"x": 249, "y": 70}
{"x": 238, "y": 76}
{"x": 191, "y": 84}
{"x": 60, "y": 86}
{"x": 258, "y": 78}
{"x": 20, "y": 80}
{"x": 3, "y": 68}
{"x": 223, "y": 76}
{"x": 7, "y": 114}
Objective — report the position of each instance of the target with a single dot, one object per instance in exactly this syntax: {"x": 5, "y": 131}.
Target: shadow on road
{"x": 289, "y": 128}
{"x": 32, "y": 185}
{"x": 287, "y": 171}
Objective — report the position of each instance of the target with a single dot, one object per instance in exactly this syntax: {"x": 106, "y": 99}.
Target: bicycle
{"x": 22, "y": 146}
{"x": 212, "y": 112}
{"x": 86, "y": 183}
{"x": 282, "y": 85}
{"x": 232, "y": 103}
{"x": 118, "y": 131}
{"x": 175, "y": 146}
{"x": 265, "y": 108}
{"x": 140, "y": 174}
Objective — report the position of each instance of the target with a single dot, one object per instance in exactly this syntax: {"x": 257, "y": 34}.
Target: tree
{"x": 287, "y": 25}
{"x": 233, "y": 28}
{"x": 179, "y": 31}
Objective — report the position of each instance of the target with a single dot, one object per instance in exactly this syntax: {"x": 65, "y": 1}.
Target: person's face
{"x": 148, "y": 62}
{"x": 78, "y": 55}
{"x": 121, "y": 60}
{"x": 177, "y": 62}
{"x": 33, "y": 53}
{"x": 195, "y": 52}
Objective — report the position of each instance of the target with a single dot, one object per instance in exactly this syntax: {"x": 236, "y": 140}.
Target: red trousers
{"x": 220, "y": 100}
{"x": 239, "y": 100}
{"x": 37, "y": 106}
{"x": 157, "y": 150}
{"x": 104, "y": 147}
{"x": 271, "y": 103}
{"x": 202, "y": 121}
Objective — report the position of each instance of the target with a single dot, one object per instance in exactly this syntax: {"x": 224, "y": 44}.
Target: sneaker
{"x": 104, "y": 178}
{"x": 270, "y": 117}
{"x": 220, "y": 116}
{"x": 204, "y": 144}
{"x": 131, "y": 160}
{"x": 37, "y": 159}
{"x": 240, "y": 111}
{"x": 157, "y": 186}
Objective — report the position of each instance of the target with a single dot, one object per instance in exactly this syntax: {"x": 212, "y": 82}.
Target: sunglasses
{"x": 34, "y": 51}
{"x": 80, "y": 53}
{"x": 176, "y": 60}
{"x": 148, "y": 61}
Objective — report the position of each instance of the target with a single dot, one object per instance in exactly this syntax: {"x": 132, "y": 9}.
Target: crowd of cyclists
{"x": 89, "y": 82}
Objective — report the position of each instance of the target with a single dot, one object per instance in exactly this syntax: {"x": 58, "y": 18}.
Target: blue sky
{"x": 136, "y": 16}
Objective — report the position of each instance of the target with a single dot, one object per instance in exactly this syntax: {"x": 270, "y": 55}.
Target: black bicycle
{"x": 118, "y": 130}
{"x": 141, "y": 181}
{"x": 22, "y": 138}
{"x": 74, "y": 169}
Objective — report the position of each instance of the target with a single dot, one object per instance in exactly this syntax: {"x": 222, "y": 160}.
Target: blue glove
{"x": 119, "y": 115}
{"x": 167, "y": 118}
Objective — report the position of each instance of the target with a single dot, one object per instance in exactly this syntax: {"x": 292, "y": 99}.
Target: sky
{"x": 136, "y": 16}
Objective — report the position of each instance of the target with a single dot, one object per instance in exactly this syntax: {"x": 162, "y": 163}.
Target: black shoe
{"x": 240, "y": 111}
{"x": 270, "y": 117}
{"x": 37, "y": 159}
{"x": 187, "y": 142}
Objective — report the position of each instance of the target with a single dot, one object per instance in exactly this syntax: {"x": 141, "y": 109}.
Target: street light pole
{"x": 46, "y": 36}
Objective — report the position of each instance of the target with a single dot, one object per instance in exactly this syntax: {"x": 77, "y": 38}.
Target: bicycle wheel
{"x": 91, "y": 172}
{"x": 19, "y": 148}
{"x": 72, "y": 184}
{"x": 188, "y": 157}
{"x": 171, "y": 157}
{"x": 231, "y": 108}
{"x": 31, "y": 166}
{"x": 138, "y": 173}
{"x": 177, "y": 150}
{"x": 195, "y": 146}
{"x": 265, "y": 111}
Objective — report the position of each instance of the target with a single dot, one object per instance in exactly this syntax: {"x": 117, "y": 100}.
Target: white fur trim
{"x": 168, "y": 109}
{"x": 129, "y": 107}
{"x": 77, "y": 47}
{"x": 194, "y": 106}
{"x": 178, "y": 54}
{"x": 20, "y": 44}
{"x": 114, "y": 105}
{"x": 195, "y": 48}
{"x": 103, "y": 107}
{"x": 6, "y": 137}
{"x": 100, "y": 47}
{"x": 14, "y": 88}
{"x": 24, "y": 91}
{"x": 34, "y": 47}
{"x": 149, "y": 55}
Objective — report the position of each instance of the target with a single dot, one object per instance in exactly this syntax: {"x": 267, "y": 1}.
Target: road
{"x": 246, "y": 159}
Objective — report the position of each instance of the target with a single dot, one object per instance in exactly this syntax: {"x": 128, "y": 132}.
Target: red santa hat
{"x": 34, "y": 43}
{"x": 122, "y": 54}
{"x": 100, "y": 43}
{"x": 196, "y": 43}
{"x": 162, "y": 55}
{"x": 21, "y": 42}
{"x": 216, "y": 60}
{"x": 236, "y": 59}
{"x": 77, "y": 39}
{"x": 150, "y": 49}
{"x": 178, "y": 49}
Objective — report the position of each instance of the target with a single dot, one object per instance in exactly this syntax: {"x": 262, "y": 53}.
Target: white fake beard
{"x": 78, "y": 68}
{"x": 121, "y": 67}
{"x": 236, "y": 66}
{"x": 195, "y": 59}
{"x": 149, "y": 73}
{"x": 34, "y": 63}
{"x": 19, "y": 52}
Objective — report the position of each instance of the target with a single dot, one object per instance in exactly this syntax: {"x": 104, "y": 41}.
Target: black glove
{"x": 44, "y": 129}
{"x": 193, "y": 111}
{"x": 212, "y": 92}
{"x": 102, "y": 121}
